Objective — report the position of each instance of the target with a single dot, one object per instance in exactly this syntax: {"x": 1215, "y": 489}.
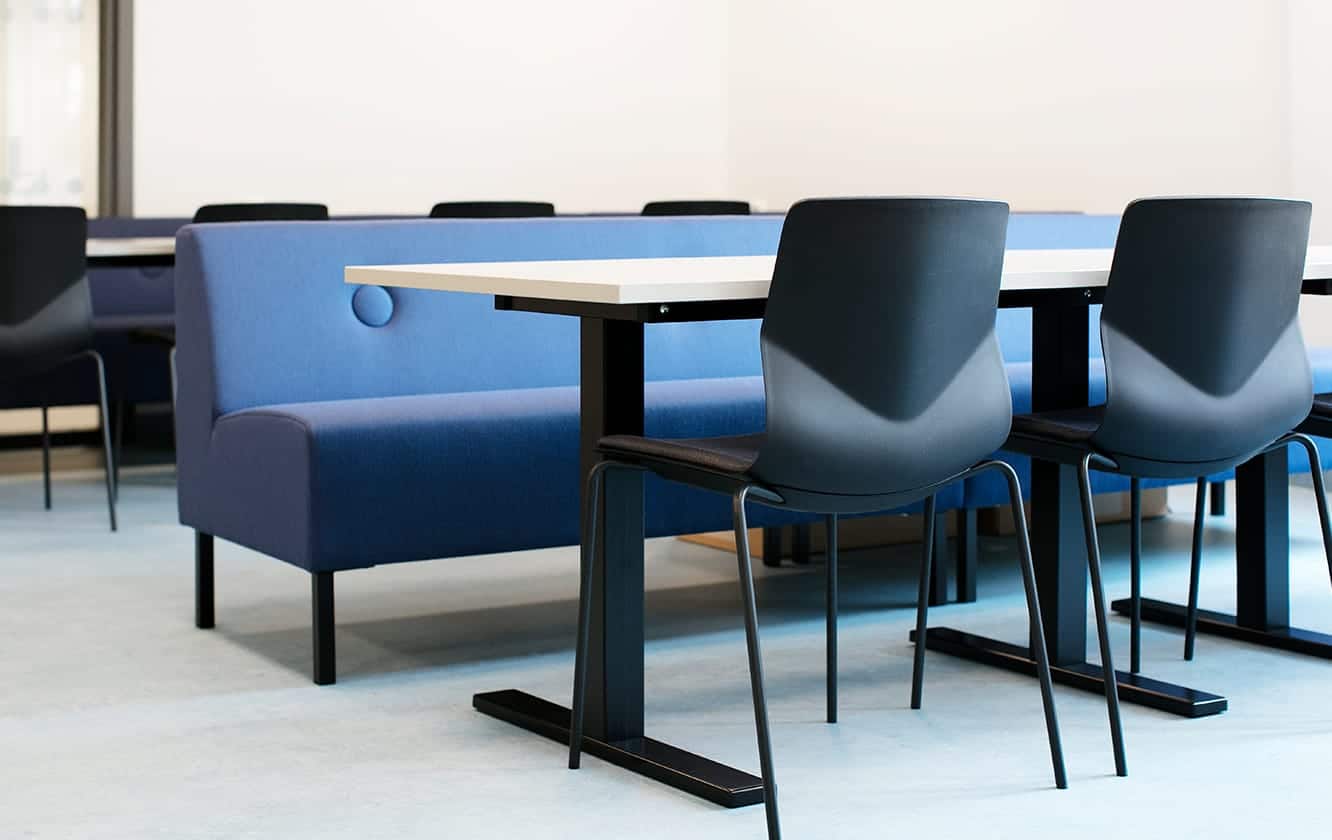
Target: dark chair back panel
{"x": 492, "y": 210}
{"x": 45, "y": 306}
{"x": 262, "y": 212}
{"x": 696, "y": 208}
{"x": 881, "y": 366}
{"x": 1203, "y": 352}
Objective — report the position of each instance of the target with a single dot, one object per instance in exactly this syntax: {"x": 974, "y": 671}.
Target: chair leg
{"x": 46, "y": 456}
{"x": 1135, "y": 575}
{"x": 1195, "y": 570}
{"x": 119, "y": 447}
{"x": 830, "y": 638}
{"x": 203, "y": 580}
{"x": 106, "y": 438}
{"x": 1218, "y": 504}
{"x": 1037, "y": 628}
{"x": 1320, "y": 493}
{"x": 591, "y": 521}
{"x": 755, "y": 664}
{"x": 325, "y": 648}
{"x": 1102, "y": 631}
{"x": 923, "y": 603}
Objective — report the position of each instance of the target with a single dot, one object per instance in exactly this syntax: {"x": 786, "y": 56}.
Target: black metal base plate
{"x": 669, "y": 765}
{"x": 1293, "y": 639}
{"x": 1133, "y": 688}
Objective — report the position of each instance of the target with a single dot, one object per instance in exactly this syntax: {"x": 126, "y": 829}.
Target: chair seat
{"x": 732, "y": 456}
{"x": 1322, "y": 406}
{"x": 1073, "y": 426}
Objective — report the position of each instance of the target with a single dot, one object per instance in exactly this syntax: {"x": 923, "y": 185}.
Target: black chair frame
{"x": 743, "y": 492}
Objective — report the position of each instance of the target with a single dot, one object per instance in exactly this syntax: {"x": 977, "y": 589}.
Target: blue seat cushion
{"x": 346, "y": 484}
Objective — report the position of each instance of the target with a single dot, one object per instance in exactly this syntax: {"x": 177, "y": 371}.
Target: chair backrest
{"x": 492, "y": 210}
{"x": 696, "y": 208}
{"x": 1203, "y": 353}
{"x": 881, "y": 366}
{"x": 45, "y": 306}
{"x": 262, "y": 212}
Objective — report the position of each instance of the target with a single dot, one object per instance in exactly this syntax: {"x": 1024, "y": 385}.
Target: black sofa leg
{"x": 801, "y": 544}
{"x": 46, "y": 455}
{"x": 325, "y": 651}
{"x": 203, "y": 580}
{"x": 1218, "y": 498}
{"x": 968, "y": 554}
{"x": 772, "y": 546}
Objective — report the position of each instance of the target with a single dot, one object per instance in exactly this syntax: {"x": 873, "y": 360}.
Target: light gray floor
{"x": 119, "y": 719}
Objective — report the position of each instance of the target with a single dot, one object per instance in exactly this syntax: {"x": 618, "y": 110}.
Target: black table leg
{"x": 1059, "y": 380}
{"x": 1262, "y": 568}
{"x": 612, "y": 403}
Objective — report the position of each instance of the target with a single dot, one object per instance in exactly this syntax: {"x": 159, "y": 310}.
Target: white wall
{"x": 1047, "y": 103}
{"x": 392, "y": 105}
{"x": 603, "y": 104}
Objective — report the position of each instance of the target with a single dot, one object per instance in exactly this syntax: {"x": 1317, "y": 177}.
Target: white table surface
{"x": 134, "y": 246}
{"x": 681, "y": 279}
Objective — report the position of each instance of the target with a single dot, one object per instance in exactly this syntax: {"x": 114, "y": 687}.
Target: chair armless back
{"x": 492, "y": 210}
{"x": 45, "y": 306}
{"x": 262, "y": 212}
{"x": 1203, "y": 353}
{"x": 881, "y": 366}
{"x": 696, "y": 208}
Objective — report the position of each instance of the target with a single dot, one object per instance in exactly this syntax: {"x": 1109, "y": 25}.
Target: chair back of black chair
{"x": 696, "y": 208}
{"x": 881, "y": 366}
{"x": 45, "y": 305}
{"x": 261, "y": 212}
{"x": 492, "y": 210}
{"x": 1203, "y": 353}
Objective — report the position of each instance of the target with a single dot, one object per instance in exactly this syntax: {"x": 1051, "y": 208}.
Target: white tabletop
{"x": 136, "y": 246}
{"x": 681, "y": 279}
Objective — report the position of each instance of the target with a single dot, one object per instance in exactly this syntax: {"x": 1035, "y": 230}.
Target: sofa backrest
{"x": 264, "y": 317}
{"x": 1052, "y": 230}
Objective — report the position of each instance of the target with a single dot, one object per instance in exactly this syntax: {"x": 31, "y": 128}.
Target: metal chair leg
{"x": 46, "y": 456}
{"x": 1037, "y": 626}
{"x": 831, "y": 632}
{"x": 1135, "y": 575}
{"x": 591, "y": 521}
{"x": 1195, "y": 571}
{"x": 105, "y": 417}
{"x": 119, "y": 447}
{"x": 755, "y": 664}
{"x": 1320, "y": 492}
{"x": 922, "y": 603}
{"x": 1102, "y": 631}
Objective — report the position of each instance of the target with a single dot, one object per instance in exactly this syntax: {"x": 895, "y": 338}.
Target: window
{"x": 48, "y": 102}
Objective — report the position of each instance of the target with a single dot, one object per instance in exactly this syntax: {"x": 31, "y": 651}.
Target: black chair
{"x": 884, "y": 384}
{"x": 1205, "y": 366}
{"x": 492, "y": 210}
{"x": 46, "y": 318}
{"x": 696, "y": 208}
{"x": 261, "y": 212}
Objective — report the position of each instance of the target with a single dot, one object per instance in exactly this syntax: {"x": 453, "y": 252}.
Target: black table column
{"x": 612, "y": 403}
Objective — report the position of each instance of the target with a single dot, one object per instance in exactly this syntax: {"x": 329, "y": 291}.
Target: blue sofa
{"x": 309, "y": 434}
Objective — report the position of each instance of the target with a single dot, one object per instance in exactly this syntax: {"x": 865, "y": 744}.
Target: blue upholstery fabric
{"x": 452, "y": 429}
{"x": 283, "y": 446}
